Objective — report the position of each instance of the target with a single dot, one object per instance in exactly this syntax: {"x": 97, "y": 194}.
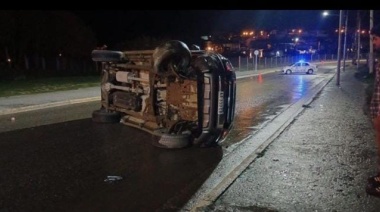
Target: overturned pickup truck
{"x": 182, "y": 97}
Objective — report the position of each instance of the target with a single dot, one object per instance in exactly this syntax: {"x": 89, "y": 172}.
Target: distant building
{"x": 278, "y": 43}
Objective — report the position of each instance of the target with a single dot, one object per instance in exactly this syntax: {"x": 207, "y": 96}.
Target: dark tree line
{"x": 36, "y": 43}
{"x": 44, "y": 43}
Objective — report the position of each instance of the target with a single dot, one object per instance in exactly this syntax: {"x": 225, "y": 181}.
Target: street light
{"x": 325, "y": 13}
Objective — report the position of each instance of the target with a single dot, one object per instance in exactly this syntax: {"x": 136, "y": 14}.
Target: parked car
{"x": 182, "y": 97}
{"x": 300, "y": 67}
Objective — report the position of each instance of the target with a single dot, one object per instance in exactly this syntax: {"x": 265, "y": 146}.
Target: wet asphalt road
{"x": 57, "y": 159}
{"x": 261, "y": 98}
{"x": 62, "y": 167}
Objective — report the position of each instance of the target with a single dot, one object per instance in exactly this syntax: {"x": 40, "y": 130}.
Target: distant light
{"x": 60, "y": 54}
{"x": 9, "y": 60}
{"x": 362, "y": 31}
{"x": 325, "y": 13}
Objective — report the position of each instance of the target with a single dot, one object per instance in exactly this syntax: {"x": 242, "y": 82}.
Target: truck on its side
{"x": 181, "y": 97}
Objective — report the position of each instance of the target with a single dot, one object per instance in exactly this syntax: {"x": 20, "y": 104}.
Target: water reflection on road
{"x": 261, "y": 98}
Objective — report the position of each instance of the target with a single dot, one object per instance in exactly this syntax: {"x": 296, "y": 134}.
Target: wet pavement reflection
{"x": 262, "y": 97}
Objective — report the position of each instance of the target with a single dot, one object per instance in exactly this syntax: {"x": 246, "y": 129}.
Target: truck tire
{"x": 170, "y": 141}
{"x": 172, "y": 53}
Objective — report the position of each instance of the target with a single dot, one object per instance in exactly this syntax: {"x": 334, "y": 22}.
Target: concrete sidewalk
{"x": 318, "y": 163}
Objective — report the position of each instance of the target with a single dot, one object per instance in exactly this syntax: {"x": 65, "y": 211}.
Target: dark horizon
{"x": 114, "y": 26}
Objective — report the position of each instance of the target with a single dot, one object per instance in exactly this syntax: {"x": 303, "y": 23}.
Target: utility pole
{"x": 358, "y": 49}
{"x": 370, "y": 58}
{"x": 339, "y": 48}
{"x": 345, "y": 42}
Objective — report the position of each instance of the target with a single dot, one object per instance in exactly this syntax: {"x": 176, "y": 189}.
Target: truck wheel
{"x": 103, "y": 116}
{"x": 169, "y": 141}
{"x": 107, "y": 56}
{"x": 172, "y": 53}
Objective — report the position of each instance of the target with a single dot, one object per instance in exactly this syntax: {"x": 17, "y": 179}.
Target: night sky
{"x": 113, "y": 26}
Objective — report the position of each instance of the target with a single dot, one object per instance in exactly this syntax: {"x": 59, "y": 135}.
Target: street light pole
{"x": 370, "y": 59}
{"x": 358, "y": 48}
{"x": 339, "y": 48}
{"x": 345, "y": 42}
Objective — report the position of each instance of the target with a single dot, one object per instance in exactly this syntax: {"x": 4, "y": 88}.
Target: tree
{"x": 33, "y": 38}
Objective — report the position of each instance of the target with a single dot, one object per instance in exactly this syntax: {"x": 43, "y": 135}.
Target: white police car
{"x": 300, "y": 67}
